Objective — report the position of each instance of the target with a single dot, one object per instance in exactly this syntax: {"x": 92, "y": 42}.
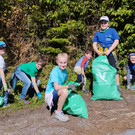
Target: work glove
{"x": 5, "y": 87}
{"x": 71, "y": 86}
{"x": 39, "y": 95}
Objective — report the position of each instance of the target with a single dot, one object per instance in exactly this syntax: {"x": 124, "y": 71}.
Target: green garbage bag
{"x": 74, "y": 104}
{"x": 1, "y": 100}
{"x": 104, "y": 85}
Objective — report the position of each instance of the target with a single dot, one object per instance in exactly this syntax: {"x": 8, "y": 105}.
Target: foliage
{"x": 49, "y": 26}
{"x": 31, "y": 28}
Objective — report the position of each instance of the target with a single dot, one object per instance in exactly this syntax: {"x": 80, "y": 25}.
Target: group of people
{"x": 28, "y": 73}
{"x": 104, "y": 43}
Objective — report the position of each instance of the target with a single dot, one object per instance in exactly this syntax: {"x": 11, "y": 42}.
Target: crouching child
{"x": 56, "y": 92}
{"x": 27, "y": 73}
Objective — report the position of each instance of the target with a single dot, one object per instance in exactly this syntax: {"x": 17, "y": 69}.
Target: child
{"x": 130, "y": 68}
{"x": 80, "y": 67}
{"x": 56, "y": 91}
{"x": 3, "y": 82}
{"x": 26, "y": 73}
{"x": 104, "y": 42}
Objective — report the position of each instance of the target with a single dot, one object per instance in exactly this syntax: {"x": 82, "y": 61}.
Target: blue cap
{"x": 2, "y": 44}
{"x": 131, "y": 54}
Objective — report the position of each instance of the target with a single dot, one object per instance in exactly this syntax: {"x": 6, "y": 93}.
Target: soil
{"x": 105, "y": 118}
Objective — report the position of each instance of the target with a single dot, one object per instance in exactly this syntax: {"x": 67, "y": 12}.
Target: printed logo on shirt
{"x": 108, "y": 37}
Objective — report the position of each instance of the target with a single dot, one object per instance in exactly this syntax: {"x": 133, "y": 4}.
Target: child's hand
{"x": 107, "y": 52}
{"x": 71, "y": 86}
{"x": 100, "y": 53}
{"x": 39, "y": 95}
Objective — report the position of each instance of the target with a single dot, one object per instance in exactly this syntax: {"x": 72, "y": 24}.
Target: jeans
{"x": 20, "y": 75}
{"x": 5, "y": 94}
{"x": 55, "y": 96}
{"x": 81, "y": 78}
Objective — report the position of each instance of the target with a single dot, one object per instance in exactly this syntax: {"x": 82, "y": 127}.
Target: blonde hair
{"x": 61, "y": 55}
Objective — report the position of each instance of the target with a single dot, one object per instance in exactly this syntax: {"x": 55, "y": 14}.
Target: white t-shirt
{"x": 2, "y": 63}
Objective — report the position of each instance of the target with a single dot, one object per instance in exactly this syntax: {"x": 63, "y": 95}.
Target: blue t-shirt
{"x": 58, "y": 76}
{"x": 107, "y": 38}
{"x": 130, "y": 70}
{"x": 78, "y": 63}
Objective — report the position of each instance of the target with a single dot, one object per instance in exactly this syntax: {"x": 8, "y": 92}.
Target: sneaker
{"x": 85, "y": 91}
{"x": 24, "y": 100}
{"x": 61, "y": 116}
{"x": 128, "y": 86}
{"x": 120, "y": 91}
{"x": 5, "y": 106}
{"x": 132, "y": 87}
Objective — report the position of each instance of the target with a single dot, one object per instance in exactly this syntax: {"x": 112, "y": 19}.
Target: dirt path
{"x": 105, "y": 118}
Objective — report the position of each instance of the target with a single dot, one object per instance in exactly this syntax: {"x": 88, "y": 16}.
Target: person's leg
{"x": 14, "y": 79}
{"x": 1, "y": 98}
{"x": 114, "y": 63}
{"x": 25, "y": 79}
{"x": 5, "y": 94}
{"x": 84, "y": 85}
{"x": 117, "y": 79}
{"x": 55, "y": 100}
{"x": 128, "y": 78}
{"x": 133, "y": 82}
{"x": 63, "y": 94}
{"x": 79, "y": 78}
{"x": 118, "y": 84}
{"x": 1, "y": 85}
{"x": 60, "y": 96}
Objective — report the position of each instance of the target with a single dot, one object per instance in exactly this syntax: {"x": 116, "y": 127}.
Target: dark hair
{"x": 88, "y": 50}
{"x": 43, "y": 60}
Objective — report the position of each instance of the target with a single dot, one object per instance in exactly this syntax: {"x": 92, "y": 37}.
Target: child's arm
{"x": 84, "y": 60}
{"x": 3, "y": 79}
{"x": 95, "y": 48}
{"x": 36, "y": 87}
{"x": 114, "y": 45}
{"x": 58, "y": 87}
{"x": 128, "y": 76}
{"x": 37, "y": 76}
{"x": 83, "y": 73}
{"x": 34, "y": 84}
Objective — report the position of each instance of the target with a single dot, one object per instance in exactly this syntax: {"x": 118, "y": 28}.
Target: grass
{"x": 15, "y": 105}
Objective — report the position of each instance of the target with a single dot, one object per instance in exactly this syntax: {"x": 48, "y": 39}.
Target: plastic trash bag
{"x": 74, "y": 104}
{"x": 1, "y": 100}
{"x": 104, "y": 85}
